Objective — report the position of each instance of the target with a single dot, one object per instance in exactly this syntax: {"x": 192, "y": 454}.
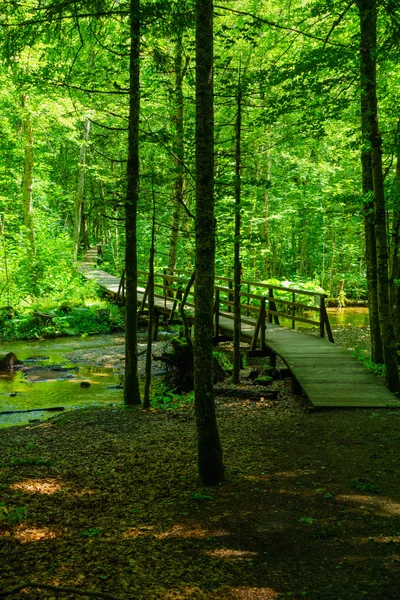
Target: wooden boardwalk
{"x": 328, "y": 375}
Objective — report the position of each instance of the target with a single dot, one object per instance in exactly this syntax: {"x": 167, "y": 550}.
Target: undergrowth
{"x": 362, "y": 354}
{"x": 53, "y": 318}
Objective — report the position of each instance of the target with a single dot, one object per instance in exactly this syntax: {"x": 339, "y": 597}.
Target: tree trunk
{"x": 209, "y": 448}
{"x": 369, "y": 228}
{"x": 237, "y": 267}
{"x": 394, "y": 271}
{"x": 131, "y": 383}
{"x": 150, "y": 303}
{"x": 84, "y": 228}
{"x": 368, "y": 18}
{"x": 27, "y": 177}
{"x": 80, "y": 190}
{"x": 179, "y": 152}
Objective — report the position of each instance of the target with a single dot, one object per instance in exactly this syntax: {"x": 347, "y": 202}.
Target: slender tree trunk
{"x": 369, "y": 227}
{"x": 237, "y": 267}
{"x": 179, "y": 152}
{"x": 332, "y": 265}
{"x": 209, "y": 448}
{"x": 131, "y": 384}
{"x": 27, "y": 177}
{"x": 394, "y": 271}
{"x": 265, "y": 226}
{"x": 84, "y": 228}
{"x": 3, "y": 239}
{"x": 368, "y": 19}
{"x": 147, "y": 385}
{"x": 370, "y": 256}
{"x": 80, "y": 190}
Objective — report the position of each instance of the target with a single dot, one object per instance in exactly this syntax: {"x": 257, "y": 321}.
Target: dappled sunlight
{"x": 259, "y": 593}
{"x": 37, "y": 486}
{"x": 381, "y": 539}
{"x": 230, "y": 553}
{"x": 382, "y": 506}
{"x": 182, "y": 531}
{"x": 26, "y": 534}
{"x": 134, "y": 532}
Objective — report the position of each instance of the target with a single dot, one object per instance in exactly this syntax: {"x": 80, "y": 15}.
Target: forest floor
{"x": 310, "y": 507}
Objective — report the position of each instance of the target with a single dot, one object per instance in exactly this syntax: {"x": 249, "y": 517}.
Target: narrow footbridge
{"x": 328, "y": 375}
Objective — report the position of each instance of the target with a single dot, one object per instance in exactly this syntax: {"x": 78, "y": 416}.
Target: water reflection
{"x": 357, "y": 316}
{"x": 49, "y": 379}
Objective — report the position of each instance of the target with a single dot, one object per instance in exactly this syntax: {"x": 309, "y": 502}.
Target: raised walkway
{"x": 328, "y": 375}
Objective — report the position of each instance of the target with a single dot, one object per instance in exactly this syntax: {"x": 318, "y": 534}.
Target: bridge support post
{"x": 295, "y": 387}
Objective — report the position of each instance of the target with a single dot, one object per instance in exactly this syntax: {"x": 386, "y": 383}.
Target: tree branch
{"x": 276, "y": 25}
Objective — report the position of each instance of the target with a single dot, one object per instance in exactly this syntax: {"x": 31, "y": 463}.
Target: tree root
{"x": 57, "y": 588}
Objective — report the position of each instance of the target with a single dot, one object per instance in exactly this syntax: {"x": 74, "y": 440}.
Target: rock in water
{"x": 8, "y": 361}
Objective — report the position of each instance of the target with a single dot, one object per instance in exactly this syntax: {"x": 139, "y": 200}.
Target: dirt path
{"x": 310, "y": 507}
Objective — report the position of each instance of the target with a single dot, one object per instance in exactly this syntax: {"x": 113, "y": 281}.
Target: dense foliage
{"x": 297, "y": 70}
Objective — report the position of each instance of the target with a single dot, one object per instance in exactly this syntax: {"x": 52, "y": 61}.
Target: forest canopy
{"x": 64, "y": 92}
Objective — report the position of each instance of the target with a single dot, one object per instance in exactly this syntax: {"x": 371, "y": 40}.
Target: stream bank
{"x": 57, "y": 372}
{"x": 59, "y": 366}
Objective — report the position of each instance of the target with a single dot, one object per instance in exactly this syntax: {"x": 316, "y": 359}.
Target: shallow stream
{"x": 54, "y": 370}
{"x": 51, "y": 379}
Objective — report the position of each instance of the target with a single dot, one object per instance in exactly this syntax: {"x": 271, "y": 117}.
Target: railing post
{"x": 248, "y": 299}
{"x": 146, "y": 293}
{"x": 325, "y": 320}
{"x": 270, "y": 303}
{"x": 120, "y": 297}
{"x": 165, "y": 288}
{"x": 262, "y": 324}
{"x": 322, "y": 317}
{"x": 293, "y": 310}
{"x": 230, "y": 296}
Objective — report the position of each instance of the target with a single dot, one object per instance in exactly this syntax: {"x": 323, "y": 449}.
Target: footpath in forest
{"x": 328, "y": 375}
{"x": 108, "y": 500}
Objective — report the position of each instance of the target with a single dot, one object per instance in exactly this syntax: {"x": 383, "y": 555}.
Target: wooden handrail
{"x": 270, "y": 306}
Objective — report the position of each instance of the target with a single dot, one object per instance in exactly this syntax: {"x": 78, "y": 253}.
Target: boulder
{"x": 9, "y": 361}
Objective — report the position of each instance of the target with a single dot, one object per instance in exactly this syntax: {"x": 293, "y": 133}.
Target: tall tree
{"x": 368, "y": 53}
{"x": 80, "y": 190}
{"x": 209, "y": 448}
{"x": 131, "y": 383}
{"x": 27, "y": 177}
{"x": 237, "y": 265}
{"x": 369, "y": 227}
{"x": 394, "y": 269}
{"x": 179, "y": 152}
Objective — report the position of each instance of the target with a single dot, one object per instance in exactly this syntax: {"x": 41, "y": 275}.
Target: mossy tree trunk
{"x": 131, "y": 383}
{"x": 368, "y": 51}
{"x": 209, "y": 448}
{"x": 369, "y": 229}
{"x": 179, "y": 152}
{"x": 150, "y": 296}
{"x": 394, "y": 270}
{"x": 237, "y": 263}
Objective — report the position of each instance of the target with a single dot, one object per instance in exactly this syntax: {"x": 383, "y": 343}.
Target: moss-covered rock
{"x": 263, "y": 380}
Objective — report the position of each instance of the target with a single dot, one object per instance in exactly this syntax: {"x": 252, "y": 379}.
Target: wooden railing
{"x": 261, "y": 301}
